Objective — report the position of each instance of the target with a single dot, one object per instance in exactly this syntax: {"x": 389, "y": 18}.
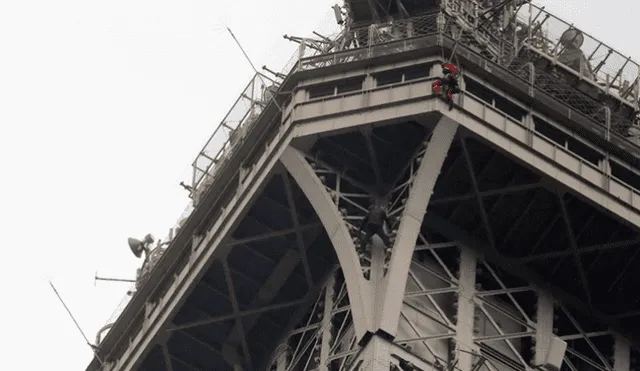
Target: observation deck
{"x": 517, "y": 213}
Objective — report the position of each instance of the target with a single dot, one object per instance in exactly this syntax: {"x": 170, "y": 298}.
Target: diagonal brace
{"x": 296, "y": 223}
{"x": 375, "y": 164}
{"x": 236, "y": 311}
{"x": 574, "y": 248}
{"x": 476, "y": 191}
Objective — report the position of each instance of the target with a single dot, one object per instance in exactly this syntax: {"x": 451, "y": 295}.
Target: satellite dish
{"x": 572, "y": 38}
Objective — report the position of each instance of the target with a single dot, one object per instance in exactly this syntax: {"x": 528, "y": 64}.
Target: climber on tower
{"x": 448, "y": 83}
{"x": 373, "y": 223}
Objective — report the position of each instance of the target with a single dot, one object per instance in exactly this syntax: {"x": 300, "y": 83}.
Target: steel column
{"x": 465, "y": 316}
{"x": 544, "y": 327}
{"x": 621, "y": 354}
{"x": 325, "y": 346}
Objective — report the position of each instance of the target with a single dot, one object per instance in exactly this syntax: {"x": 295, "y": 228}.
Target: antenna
{"x": 94, "y": 348}
{"x": 251, "y": 63}
{"x": 278, "y": 75}
{"x": 110, "y": 279}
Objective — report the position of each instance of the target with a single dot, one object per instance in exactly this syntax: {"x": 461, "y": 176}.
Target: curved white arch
{"x": 330, "y": 217}
{"x": 411, "y": 222}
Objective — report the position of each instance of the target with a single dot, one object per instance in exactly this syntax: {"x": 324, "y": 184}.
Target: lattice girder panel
{"x": 353, "y": 200}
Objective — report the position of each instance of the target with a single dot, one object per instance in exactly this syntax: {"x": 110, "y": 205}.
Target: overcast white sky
{"x": 103, "y": 107}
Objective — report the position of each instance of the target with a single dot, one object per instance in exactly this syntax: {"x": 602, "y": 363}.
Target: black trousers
{"x": 372, "y": 229}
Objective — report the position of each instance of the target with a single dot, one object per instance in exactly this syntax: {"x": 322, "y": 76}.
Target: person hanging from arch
{"x": 373, "y": 223}
{"x": 448, "y": 83}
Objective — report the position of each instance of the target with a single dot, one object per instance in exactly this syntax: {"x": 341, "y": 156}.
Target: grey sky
{"x": 103, "y": 106}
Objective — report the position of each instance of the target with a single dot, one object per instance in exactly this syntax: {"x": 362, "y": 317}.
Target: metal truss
{"x": 245, "y": 320}
{"x": 324, "y": 337}
{"x": 353, "y": 206}
{"x": 509, "y": 326}
{"x": 378, "y": 281}
{"x": 375, "y": 271}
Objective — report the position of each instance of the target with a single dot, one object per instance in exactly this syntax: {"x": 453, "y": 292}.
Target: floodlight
{"x": 138, "y": 247}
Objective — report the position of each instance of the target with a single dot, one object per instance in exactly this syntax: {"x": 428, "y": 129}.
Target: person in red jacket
{"x": 448, "y": 83}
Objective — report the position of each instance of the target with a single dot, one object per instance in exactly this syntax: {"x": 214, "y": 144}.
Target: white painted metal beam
{"x": 313, "y": 188}
{"x": 465, "y": 316}
{"x": 411, "y": 222}
{"x": 621, "y": 354}
{"x": 544, "y": 327}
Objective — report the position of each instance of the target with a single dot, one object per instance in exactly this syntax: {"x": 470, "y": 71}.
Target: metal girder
{"x": 461, "y": 206}
{"x": 296, "y": 223}
{"x": 621, "y": 354}
{"x": 574, "y": 248}
{"x": 523, "y": 216}
{"x": 274, "y": 234}
{"x": 327, "y": 336}
{"x": 517, "y": 269}
{"x": 266, "y": 293}
{"x": 167, "y": 357}
{"x": 465, "y": 314}
{"x": 347, "y": 153}
{"x": 229, "y": 357}
{"x": 576, "y": 238}
{"x": 318, "y": 333}
{"x": 581, "y": 250}
{"x": 351, "y": 180}
{"x": 623, "y": 271}
{"x": 313, "y": 188}
{"x": 186, "y": 364}
{"x": 545, "y": 233}
{"x": 587, "y": 339}
{"x": 366, "y": 132}
{"x": 508, "y": 292}
{"x": 407, "y": 166}
{"x": 236, "y": 309}
{"x": 314, "y": 297}
{"x": 493, "y": 322}
{"x": 544, "y": 327}
{"x": 614, "y": 234}
{"x": 585, "y": 334}
{"x": 476, "y": 190}
{"x": 242, "y": 313}
{"x": 411, "y": 222}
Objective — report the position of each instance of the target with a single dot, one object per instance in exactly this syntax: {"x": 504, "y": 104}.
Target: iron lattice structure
{"x": 515, "y": 220}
